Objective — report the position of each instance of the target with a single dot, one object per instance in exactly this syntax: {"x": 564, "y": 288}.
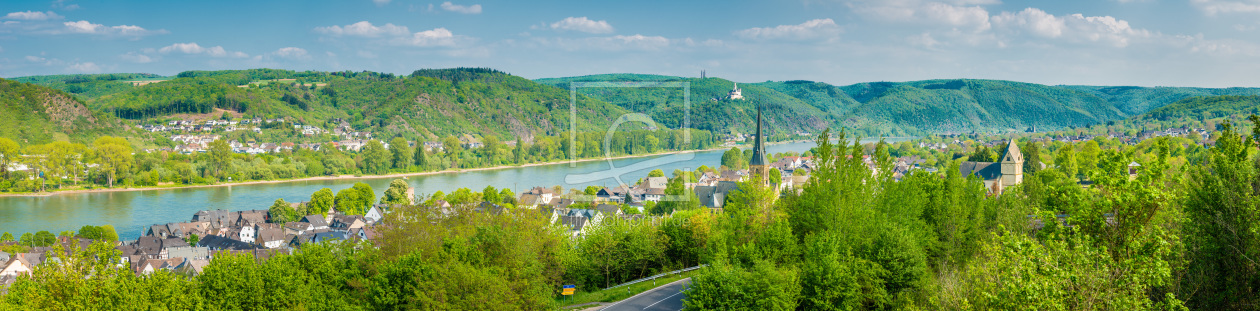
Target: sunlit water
{"x": 130, "y": 212}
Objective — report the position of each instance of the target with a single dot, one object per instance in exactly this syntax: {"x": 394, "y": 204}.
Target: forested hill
{"x": 433, "y": 103}
{"x": 1206, "y": 107}
{"x": 710, "y": 108}
{"x": 35, "y": 114}
{"x": 915, "y": 107}
{"x": 426, "y": 105}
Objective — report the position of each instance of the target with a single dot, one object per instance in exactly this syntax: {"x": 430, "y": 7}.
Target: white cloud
{"x": 434, "y": 37}
{"x": 194, "y": 48}
{"x": 88, "y": 67}
{"x": 471, "y": 9}
{"x": 85, "y": 27}
{"x": 291, "y": 52}
{"x": 364, "y": 29}
{"x": 610, "y": 43}
{"x": 33, "y": 16}
{"x": 34, "y": 59}
{"x": 1035, "y": 21}
{"x": 136, "y": 58}
{"x": 954, "y": 14}
{"x": 397, "y": 35}
{"x": 807, "y": 30}
{"x": 1212, "y": 7}
{"x": 582, "y": 24}
{"x": 1074, "y": 27}
{"x": 61, "y": 4}
{"x": 381, "y": 2}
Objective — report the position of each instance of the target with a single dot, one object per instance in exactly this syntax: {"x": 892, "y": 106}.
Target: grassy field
{"x": 616, "y": 294}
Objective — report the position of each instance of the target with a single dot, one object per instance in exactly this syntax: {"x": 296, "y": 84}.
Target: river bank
{"x": 344, "y": 177}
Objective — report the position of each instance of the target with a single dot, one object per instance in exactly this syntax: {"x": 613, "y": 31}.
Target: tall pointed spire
{"x": 759, "y": 147}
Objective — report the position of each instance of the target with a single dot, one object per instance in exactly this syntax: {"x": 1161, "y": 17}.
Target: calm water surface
{"x": 130, "y": 212}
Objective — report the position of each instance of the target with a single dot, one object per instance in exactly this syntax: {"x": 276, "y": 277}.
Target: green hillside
{"x": 710, "y": 109}
{"x": 428, "y": 104}
{"x": 33, "y": 114}
{"x": 1205, "y": 107}
{"x": 1133, "y": 100}
{"x": 978, "y": 105}
{"x": 91, "y": 85}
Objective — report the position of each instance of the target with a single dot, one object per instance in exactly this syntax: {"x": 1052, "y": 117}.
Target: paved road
{"x": 668, "y": 297}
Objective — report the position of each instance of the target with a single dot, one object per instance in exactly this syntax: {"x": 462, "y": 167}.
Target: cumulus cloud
{"x": 86, "y": 67}
{"x": 958, "y": 14}
{"x": 609, "y": 43}
{"x": 582, "y": 24}
{"x": 85, "y": 27}
{"x": 393, "y": 34}
{"x": 33, "y": 15}
{"x": 1213, "y": 7}
{"x": 470, "y": 9}
{"x": 193, "y": 48}
{"x": 807, "y": 30}
{"x": 433, "y": 37}
{"x": 291, "y": 52}
{"x": 364, "y": 29}
{"x": 136, "y": 58}
{"x": 1074, "y": 27}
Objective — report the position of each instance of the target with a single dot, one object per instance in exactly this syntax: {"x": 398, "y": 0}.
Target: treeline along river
{"x": 130, "y": 212}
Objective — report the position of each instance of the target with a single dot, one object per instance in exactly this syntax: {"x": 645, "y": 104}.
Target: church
{"x": 1009, "y": 171}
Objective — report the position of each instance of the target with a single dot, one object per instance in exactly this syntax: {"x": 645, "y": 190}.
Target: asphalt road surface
{"x": 668, "y": 297}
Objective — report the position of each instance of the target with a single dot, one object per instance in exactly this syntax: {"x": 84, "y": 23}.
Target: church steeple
{"x": 757, "y": 165}
{"x": 759, "y": 148}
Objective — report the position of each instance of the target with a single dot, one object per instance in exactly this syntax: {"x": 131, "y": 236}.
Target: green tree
{"x": 507, "y": 196}
{"x": 733, "y": 159}
{"x": 321, "y": 202}
{"x": 6, "y": 237}
{"x": 192, "y": 239}
{"x": 401, "y": 153}
{"x": 1224, "y": 224}
{"x": 220, "y": 157}
{"x": 280, "y": 212}
{"x": 348, "y": 201}
{"x": 43, "y": 238}
{"x": 776, "y": 176}
{"x": 376, "y": 160}
{"x": 9, "y": 153}
{"x": 421, "y": 156}
{"x": 490, "y": 194}
{"x": 397, "y": 193}
{"x": 366, "y": 196}
{"x": 1087, "y": 157}
{"x": 1065, "y": 159}
{"x": 27, "y": 239}
{"x": 108, "y": 233}
{"x": 113, "y": 156}
{"x": 983, "y": 154}
{"x": 518, "y": 154}
{"x": 1032, "y": 157}
{"x": 656, "y": 173}
{"x": 453, "y": 148}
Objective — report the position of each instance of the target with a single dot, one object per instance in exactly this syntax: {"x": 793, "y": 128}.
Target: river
{"x": 131, "y": 212}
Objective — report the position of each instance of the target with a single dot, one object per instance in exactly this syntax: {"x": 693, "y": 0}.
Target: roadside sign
{"x": 570, "y": 286}
{"x": 568, "y": 290}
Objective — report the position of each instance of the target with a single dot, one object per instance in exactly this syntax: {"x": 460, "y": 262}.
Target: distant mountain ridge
{"x": 433, "y": 103}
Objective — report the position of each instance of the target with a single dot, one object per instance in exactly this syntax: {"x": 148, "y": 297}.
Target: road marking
{"x": 644, "y": 293}
{"x": 659, "y": 301}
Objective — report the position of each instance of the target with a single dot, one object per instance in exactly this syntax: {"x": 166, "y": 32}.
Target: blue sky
{"x": 1210, "y": 43}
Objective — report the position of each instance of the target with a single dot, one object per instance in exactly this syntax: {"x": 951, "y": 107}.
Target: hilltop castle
{"x": 736, "y": 93}
{"x": 1009, "y": 171}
